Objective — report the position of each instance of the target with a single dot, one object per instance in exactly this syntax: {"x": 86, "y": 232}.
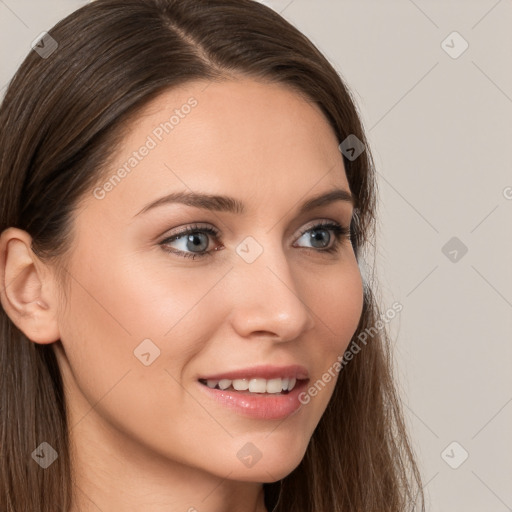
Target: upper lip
{"x": 262, "y": 371}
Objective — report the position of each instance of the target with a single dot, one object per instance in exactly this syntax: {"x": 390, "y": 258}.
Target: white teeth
{"x": 254, "y": 385}
{"x": 224, "y": 383}
{"x": 241, "y": 384}
{"x": 274, "y": 386}
{"x": 257, "y": 385}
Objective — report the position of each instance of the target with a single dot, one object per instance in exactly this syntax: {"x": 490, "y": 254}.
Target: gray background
{"x": 440, "y": 131}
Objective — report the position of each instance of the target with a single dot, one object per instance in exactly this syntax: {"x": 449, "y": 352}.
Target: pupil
{"x": 318, "y": 236}
{"x": 195, "y": 239}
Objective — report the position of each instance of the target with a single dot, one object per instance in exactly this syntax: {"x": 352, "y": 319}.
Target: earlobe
{"x": 25, "y": 286}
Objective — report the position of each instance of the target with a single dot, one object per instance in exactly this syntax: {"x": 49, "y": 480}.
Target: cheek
{"x": 337, "y": 305}
{"x": 122, "y": 319}
{"x": 138, "y": 299}
{"x": 125, "y": 315}
{"x": 116, "y": 310}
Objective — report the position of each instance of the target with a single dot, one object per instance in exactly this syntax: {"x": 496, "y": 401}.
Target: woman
{"x": 186, "y": 197}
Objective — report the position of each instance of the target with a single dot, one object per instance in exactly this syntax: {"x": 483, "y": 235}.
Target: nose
{"x": 266, "y": 299}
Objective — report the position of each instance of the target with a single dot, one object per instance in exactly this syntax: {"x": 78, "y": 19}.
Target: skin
{"x": 145, "y": 437}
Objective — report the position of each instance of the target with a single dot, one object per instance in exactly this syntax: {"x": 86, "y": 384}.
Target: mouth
{"x": 260, "y": 386}
{"x": 261, "y": 392}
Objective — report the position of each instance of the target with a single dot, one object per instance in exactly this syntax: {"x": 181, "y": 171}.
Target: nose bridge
{"x": 268, "y": 297}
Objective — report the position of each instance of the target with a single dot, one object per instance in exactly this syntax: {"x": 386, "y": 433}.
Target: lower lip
{"x": 266, "y": 406}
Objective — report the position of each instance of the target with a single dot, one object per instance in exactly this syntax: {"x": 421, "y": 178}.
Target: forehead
{"x": 244, "y": 138}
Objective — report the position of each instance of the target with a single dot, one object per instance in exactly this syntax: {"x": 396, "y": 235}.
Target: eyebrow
{"x": 232, "y": 205}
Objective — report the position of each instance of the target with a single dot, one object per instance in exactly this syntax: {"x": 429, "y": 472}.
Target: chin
{"x": 265, "y": 474}
{"x": 271, "y": 467}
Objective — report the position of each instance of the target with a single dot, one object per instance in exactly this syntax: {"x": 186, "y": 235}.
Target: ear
{"x": 27, "y": 288}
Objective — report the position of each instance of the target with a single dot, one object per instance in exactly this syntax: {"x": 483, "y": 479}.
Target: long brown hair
{"x": 61, "y": 119}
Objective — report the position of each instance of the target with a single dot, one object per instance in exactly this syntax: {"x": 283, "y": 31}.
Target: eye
{"x": 194, "y": 239}
{"x": 317, "y": 235}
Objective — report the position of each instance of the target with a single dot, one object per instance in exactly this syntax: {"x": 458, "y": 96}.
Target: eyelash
{"x": 338, "y": 230}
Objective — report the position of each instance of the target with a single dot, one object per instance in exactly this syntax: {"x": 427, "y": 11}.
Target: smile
{"x": 257, "y": 385}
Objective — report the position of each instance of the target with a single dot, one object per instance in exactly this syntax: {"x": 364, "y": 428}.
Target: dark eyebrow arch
{"x": 232, "y": 205}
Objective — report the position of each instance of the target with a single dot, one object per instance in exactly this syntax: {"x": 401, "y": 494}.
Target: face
{"x": 171, "y": 302}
